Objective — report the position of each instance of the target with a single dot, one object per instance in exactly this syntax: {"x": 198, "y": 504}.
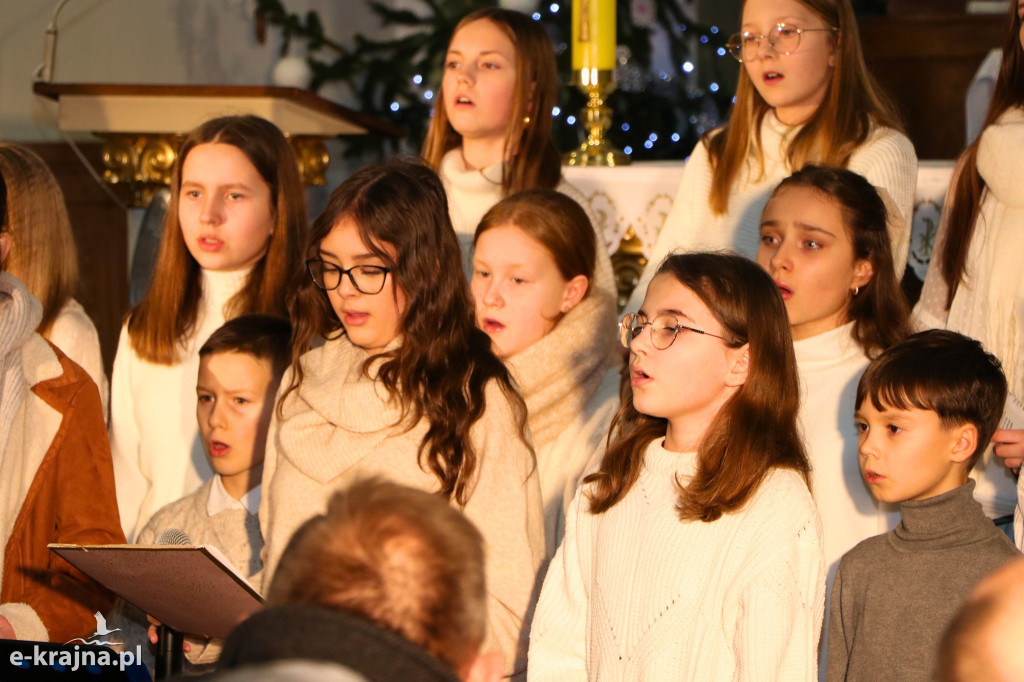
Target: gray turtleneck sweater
{"x": 895, "y": 593}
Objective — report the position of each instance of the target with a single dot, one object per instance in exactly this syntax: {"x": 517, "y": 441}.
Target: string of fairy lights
{"x": 659, "y": 111}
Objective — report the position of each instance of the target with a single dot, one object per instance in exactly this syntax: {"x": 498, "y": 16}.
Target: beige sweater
{"x": 339, "y": 427}
{"x": 232, "y": 531}
{"x": 570, "y": 381}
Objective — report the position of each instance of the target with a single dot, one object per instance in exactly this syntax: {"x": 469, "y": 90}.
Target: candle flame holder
{"x": 597, "y": 84}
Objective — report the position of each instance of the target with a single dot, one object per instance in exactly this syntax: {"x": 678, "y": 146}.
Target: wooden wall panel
{"x": 925, "y": 62}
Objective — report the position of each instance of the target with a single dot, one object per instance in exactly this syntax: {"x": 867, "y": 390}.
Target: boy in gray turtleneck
{"x": 926, "y": 409}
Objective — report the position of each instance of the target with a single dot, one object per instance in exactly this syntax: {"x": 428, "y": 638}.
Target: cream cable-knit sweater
{"x": 339, "y": 427}
{"x": 158, "y": 454}
{"x": 471, "y": 193}
{"x": 570, "y": 381}
{"x": 886, "y": 158}
{"x": 989, "y": 303}
{"x": 830, "y": 365}
{"x": 75, "y": 334}
{"x": 635, "y": 593}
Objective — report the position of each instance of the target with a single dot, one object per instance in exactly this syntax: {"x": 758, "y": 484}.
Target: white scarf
{"x": 20, "y": 313}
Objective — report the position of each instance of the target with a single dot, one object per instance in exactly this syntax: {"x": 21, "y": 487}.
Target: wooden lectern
{"x": 143, "y": 125}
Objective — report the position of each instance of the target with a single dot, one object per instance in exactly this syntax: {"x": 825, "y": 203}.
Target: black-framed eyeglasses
{"x": 367, "y": 279}
{"x": 664, "y": 329}
{"x": 784, "y": 39}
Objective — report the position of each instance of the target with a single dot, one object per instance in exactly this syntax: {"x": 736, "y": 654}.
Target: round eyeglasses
{"x": 784, "y": 39}
{"x": 664, "y": 329}
{"x": 367, "y": 279}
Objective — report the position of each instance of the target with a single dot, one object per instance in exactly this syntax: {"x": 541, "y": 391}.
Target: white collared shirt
{"x": 220, "y": 500}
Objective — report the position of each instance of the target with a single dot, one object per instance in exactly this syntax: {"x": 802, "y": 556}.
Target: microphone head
{"x": 173, "y": 536}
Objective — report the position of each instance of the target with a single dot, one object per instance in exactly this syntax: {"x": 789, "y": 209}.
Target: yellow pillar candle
{"x": 593, "y": 35}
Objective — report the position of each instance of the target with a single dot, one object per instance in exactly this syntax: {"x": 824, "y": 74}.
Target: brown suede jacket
{"x": 57, "y": 464}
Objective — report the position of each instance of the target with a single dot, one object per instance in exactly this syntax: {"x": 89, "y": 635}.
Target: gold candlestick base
{"x": 597, "y": 118}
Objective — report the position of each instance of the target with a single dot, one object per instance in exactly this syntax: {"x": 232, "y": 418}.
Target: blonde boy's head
{"x": 240, "y": 367}
{"x": 401, "y": 558}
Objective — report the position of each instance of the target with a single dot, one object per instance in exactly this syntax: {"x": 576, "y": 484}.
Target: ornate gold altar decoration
{"x": 136, "y": 166}
{"x": 628, "y": 263}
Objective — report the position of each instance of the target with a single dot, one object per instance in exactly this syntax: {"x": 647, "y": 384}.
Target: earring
{"x": 856, "y": 290}
{"x": 526, "y": 120}
{"x": 566, "y": 308}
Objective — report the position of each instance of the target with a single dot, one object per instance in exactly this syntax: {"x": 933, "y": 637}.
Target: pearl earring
{"x": 526, "y": 120}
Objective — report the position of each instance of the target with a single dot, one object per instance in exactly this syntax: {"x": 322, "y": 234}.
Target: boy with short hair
{"x": 926, "y": 410}
{"x": 240, "y": 368}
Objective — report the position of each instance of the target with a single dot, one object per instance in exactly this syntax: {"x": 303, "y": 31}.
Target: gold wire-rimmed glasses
{"x": 784, "y": 39}
{"x": 664, "y": 329}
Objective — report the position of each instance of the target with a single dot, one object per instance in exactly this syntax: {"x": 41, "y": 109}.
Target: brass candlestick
{"x": 596, "y": 151}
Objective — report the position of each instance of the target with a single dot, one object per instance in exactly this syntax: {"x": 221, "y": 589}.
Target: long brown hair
{"x": 444, "y": 363}
{"x": 531, "y": 158}
{"x": 968, "y": 189}
{"x": 43, "y": 254}
{"x": 879, "y": 311}
{"x": 162, "y": 321}
{"x": 853, "y": 104}
{"x": 755, "y": 431}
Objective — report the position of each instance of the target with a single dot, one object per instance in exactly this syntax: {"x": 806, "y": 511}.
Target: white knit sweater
{"x": 830, "y": 365}
{"x": 471, "y": 193}
{"x": 340, "y": 427}
{"x": 886, "y": 158}
{"x": 635, "y": 593}
{"x": 158, "y": 454}
{"x": 989, "y": 303}
{"x": 75, "y": 334}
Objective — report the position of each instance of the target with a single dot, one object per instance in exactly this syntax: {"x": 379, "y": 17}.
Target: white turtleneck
{"x": 636, "y": 593}
{"x": 158, "y": 454}
{"x": 830, "y": 365}
{"x": 886, "y": 159}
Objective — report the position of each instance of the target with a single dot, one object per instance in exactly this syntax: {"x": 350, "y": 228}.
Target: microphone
{"x": 173, "y": 536}
{"x": 45, "y": 70}
{"x": 170, "y": 658}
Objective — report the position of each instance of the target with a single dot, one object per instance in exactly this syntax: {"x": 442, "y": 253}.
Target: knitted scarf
{"x": 20, "y": 313}
{"x": 558, "y": 374}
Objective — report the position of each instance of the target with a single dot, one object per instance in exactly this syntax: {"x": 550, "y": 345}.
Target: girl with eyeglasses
{"x": 804, "y": 96}
{"x": 533, "y": 264}
{"x": 231, "y": 243}
{"x": 391, "y": 378}
{"x": 975, "y": 282}
{"x": 694, "y": 552}
{"x": 490, "y": 135}
{"x": 825, "y": 244}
